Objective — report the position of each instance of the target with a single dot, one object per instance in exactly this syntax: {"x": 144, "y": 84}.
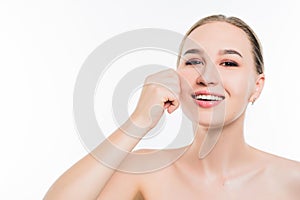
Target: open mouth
{"x": 207, "y": 97}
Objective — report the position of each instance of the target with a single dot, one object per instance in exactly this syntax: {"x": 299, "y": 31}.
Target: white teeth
{"x": 208, "y": 97}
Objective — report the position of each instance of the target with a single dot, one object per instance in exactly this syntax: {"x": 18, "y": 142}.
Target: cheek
{"x": 187, "y": 78}
{"x": 187, "y": 73}
{"x": 238, "y": 87}
{"x": 237, "y": 93}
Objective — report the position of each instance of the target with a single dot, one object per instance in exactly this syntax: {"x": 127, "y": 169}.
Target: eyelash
{"x": 229, "y": 64}
{"x": 200, "y": 62}
{"x": 194, "y": 62}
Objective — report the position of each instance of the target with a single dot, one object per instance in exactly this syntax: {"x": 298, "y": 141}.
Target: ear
{"x": 259, "y": 85}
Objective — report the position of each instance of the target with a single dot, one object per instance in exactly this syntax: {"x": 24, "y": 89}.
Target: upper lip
{"x": 205, "y": 92}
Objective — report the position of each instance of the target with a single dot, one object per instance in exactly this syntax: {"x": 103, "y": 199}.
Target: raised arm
{"x": 88, "y": 177}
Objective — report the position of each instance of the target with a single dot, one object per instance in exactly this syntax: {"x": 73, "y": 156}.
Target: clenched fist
{"x": 160, "y": 91}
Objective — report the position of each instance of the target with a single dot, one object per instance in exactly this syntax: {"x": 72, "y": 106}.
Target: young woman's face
{"x": 218, "y": 74}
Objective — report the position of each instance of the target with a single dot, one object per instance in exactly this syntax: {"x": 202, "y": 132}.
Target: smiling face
{"x": 219, "y": 74}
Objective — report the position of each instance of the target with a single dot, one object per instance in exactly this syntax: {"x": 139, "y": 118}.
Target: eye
{"x": 229, "y": 64}
{"x": 194, "y": 62}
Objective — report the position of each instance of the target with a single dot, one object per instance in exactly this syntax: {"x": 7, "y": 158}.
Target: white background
{"x": 44, "y": 43}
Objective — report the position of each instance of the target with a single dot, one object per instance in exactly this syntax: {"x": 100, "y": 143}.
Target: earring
{"x": 253, "y": 101}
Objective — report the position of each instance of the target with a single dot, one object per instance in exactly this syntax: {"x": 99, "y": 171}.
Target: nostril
{"x": 205, "y": 83}
{"x": 211, "y": 83}
{"x": 202, "y": 83}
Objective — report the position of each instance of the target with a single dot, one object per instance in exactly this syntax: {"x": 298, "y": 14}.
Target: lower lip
{"x": 207, "y": 104}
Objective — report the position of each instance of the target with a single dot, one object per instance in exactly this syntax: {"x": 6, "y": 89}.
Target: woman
{"x": 214, "y": 84}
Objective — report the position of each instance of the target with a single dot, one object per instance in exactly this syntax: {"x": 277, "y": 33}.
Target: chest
{"x": 180, "y": 188}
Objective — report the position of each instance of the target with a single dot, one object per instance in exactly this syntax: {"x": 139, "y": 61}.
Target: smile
{"x": 207, "y": 100}
{"x": 208, "y": 97}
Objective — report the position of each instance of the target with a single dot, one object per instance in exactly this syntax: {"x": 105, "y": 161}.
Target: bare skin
{"x": 232, "y": 170}
{"x": 241, "y": 172}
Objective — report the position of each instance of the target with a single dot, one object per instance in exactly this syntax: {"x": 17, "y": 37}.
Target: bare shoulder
{"x": 152, "y": 161}
{"x": 284, "y": 172}
{"x": 152, "y": 169}
{"x": 153, "y": 164}
{"x": 141, "y": 169}
{"x": 280, "y": 164}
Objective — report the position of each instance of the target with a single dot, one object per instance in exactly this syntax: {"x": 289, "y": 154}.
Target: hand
{"x": 160, "y": 91}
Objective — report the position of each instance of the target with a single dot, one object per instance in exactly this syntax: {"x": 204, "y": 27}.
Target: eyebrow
{"x": 221, "y": 52}
{"x": 194, "y": 51}
{"x": 230, "y": 51}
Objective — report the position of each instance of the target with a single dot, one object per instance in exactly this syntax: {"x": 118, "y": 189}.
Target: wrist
{"x": 136, "y": 126}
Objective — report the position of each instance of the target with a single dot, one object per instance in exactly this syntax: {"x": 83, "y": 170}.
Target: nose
{"x": 208, "y": 76}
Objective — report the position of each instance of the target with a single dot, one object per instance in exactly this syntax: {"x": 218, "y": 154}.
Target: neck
{"x": 229, "y": 155}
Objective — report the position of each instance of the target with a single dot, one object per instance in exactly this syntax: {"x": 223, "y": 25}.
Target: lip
{"x": 207, "y": 104}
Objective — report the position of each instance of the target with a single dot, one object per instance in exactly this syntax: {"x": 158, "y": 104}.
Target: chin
{"x": 206, "y": 119}
{"x": 212, "y": 124}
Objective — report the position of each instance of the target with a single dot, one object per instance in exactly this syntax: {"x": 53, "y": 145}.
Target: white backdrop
{"x": 44, "y": 43}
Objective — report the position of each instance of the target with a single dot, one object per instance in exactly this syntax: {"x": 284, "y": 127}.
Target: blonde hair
{"x": 256, "y": 46}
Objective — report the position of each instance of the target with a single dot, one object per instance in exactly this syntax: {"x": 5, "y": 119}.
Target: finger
{"x": 173, "y": 106}
{"x": 167, "y": 104}
{"x": 168, "y": 101}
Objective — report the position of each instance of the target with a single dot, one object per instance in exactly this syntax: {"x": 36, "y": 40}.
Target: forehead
{"x": 215, "y": 36}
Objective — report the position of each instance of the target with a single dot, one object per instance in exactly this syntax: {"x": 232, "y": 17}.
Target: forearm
{"x": 88, "y": 177}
